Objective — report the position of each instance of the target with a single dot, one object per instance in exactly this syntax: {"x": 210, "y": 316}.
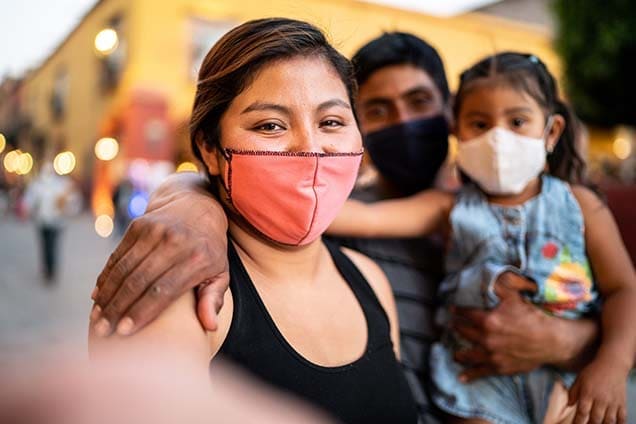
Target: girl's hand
{"x": 600, "y": 393}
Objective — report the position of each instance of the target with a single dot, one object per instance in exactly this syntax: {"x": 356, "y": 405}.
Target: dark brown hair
{"x": 236, "y": 58}
{"x": 527, "y": 73}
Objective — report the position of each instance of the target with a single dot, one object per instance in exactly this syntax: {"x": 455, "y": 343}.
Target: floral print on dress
{"x": 568, "y": 284}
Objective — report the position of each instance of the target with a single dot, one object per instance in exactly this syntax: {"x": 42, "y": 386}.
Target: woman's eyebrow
{"x": 333, "y": 102}
{"x": 258, "y": 106}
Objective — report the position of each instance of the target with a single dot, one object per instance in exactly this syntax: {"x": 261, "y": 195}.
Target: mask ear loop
{"x": 546, "y": 131}
{"x": 227, "y": 154}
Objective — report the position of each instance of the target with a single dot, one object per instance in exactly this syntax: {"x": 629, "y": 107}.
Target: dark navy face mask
{"x": 410, "y": 154}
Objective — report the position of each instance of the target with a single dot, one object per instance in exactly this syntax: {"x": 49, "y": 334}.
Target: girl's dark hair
{"x": 527, "y": 73}
{"x": 233, "y": 62}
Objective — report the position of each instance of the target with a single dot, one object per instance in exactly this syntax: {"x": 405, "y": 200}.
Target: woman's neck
{"x": 533, "y": 189}
{"x": 275, "y": 262}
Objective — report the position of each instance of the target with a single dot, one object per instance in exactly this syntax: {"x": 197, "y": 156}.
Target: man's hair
{"x": 398, "y": 48}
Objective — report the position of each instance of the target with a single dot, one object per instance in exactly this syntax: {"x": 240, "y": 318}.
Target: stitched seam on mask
{"x": 302, "y": 154}
{"x": 313, "y": 187}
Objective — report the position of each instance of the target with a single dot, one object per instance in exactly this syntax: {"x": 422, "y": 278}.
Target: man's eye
{"x": 375, "y": 113}
{"x": 420, "y": 102}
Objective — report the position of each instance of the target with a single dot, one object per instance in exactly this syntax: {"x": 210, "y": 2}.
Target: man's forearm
{"x": 176, "y": 185}
{"x": 575, "y": 342}
{"x": 179, "y": 243}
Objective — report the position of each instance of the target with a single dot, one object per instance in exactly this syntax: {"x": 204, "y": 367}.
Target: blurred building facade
{"x": 136, "y": 83}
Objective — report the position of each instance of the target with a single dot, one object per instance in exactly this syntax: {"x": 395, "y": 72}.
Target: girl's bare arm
{"x": 600, "y": 389}
{"x": 413, "y": 216}
{"x": 615, "y": 277}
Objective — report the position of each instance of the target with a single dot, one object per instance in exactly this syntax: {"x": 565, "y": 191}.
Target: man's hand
{"x": 516, "y": 336}
{"x": 178, "y": 245}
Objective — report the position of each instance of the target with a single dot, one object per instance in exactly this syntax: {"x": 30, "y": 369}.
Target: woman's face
{"x": 293, "y": 105}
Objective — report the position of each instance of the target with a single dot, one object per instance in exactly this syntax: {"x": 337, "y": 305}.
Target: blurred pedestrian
{"x": 49, "y": 198}
{"x": 121, "y": 200}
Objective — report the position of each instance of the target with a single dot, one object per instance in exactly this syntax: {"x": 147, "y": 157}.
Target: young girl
{"x": 522, "y": 214}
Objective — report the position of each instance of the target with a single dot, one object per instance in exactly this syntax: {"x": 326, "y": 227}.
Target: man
{"x": 49, "y": 199}
{"x": 403, "y": 108}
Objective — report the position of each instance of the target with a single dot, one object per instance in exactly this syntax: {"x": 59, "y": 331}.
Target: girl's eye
{"x": 269, "y": 127}
{"x": 331, "y": 123}
{"x": 518, "y": 122}
{"x": 480, "y": 125}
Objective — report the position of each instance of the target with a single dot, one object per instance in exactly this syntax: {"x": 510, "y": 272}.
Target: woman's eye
{"x": 331, "y": 123}
{"x": 269, "y": 127}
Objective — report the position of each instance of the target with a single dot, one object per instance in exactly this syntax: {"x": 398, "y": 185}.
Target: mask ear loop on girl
{"x": 546, "y": 132}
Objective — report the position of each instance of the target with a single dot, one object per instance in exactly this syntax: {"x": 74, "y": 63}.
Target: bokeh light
{"x": 138, "y": 172}
{"x": 137, "y": 204}
{"x": 3, "y": 142}
{"x": 102, "y": 201}
{"x": 24, "y": 164}
{"x": 64, "y": 163}
{"x": 622, "y": 148}
{"x": 106, "y": 41}
{"x": 106, "y": 148}
{"x": 11, "y": 160}
{"x": 187, "y": 167}
{"x": 104, "y": 226}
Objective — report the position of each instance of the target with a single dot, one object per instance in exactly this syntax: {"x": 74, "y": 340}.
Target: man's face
{"x": 396, "y": 94}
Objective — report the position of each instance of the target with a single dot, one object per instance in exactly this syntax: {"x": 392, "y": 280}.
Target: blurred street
{"x": 34, "y": 313}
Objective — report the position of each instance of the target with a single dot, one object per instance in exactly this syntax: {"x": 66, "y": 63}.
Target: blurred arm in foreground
{"x": 160, "y": 390}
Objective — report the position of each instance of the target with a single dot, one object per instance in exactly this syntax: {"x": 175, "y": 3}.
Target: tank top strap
{"x": 378, "y": 324}
{"x": 245, "y": 295}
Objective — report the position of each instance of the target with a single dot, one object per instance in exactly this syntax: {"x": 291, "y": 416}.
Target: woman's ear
{"x": 555, "y": 131}
{"x": 210, "y": 156}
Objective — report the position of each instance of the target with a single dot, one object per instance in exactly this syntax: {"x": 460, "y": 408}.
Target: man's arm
{"x": 178, "y": 244}
{"x": 516, "y": 336}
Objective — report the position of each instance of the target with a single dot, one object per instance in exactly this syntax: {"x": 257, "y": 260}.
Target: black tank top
{"x": 371, "y": 389}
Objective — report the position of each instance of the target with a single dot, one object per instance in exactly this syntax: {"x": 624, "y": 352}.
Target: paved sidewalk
{"x": 32, "y": 313}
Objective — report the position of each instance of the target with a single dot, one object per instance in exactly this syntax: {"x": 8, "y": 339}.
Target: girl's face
{"x": 488, "y": 106}
{"x": 294, "y": 105}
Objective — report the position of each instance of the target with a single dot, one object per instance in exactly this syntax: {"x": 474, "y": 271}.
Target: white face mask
{"x": 502, "y": 162}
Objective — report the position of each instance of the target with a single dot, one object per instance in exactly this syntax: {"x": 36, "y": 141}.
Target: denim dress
{"x": 542, "y": 239}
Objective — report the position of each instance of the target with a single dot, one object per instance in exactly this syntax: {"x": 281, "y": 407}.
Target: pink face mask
{"x": 291, "y": 197}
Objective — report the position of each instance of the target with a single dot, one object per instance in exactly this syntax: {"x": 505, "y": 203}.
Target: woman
{"x": 274, "y": 125}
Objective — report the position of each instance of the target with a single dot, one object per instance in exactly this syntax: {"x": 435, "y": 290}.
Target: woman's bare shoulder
{"x": 372, "y": 273}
